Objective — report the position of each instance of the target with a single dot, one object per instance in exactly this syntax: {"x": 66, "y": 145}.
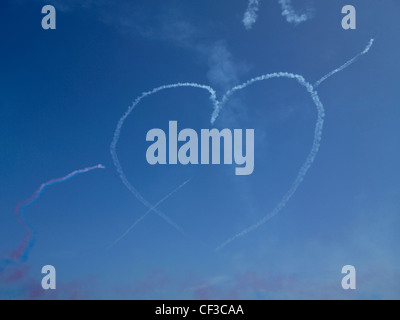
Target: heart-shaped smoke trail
{"x": 22, "y": 252}
{"x": 217, "y": 108}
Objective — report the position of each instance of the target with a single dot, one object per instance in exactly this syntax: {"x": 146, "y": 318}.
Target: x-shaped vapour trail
{"x": 148, "y": 212}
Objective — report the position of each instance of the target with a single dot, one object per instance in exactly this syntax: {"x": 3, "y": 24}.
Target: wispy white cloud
{"x": 172, "y": 27}
{"x": 291, "y": 15}
{"x": 223, "y": 71}
{"x": 251, "y": 14}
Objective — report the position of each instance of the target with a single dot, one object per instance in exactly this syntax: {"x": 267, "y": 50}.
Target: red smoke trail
{"x": 22, "y": 252}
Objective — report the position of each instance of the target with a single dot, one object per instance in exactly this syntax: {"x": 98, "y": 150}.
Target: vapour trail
{"x": 251, "y": 14}
{"x": 317, "y": 134}
{"x": 344, "y": 66}
{"x": 22, "y": 252}
{"x": 148, "y": 212}
{"x": 117, "y": 133}
{"x": 290, "y": 14}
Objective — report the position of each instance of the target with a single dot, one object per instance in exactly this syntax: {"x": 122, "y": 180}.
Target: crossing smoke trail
{"x": 317, "y": 134}
{"x": 348, "y": 63}
{"x": 117, "y": 133}
{"x": 22, "y": 252}
{"x": 148, "y": 212}
{"x": 251, "y": 14}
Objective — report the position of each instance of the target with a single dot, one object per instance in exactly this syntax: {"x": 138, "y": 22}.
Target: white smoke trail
{"x": 310, "y": 158}
{"x": 117, "y": 133}
{"x": 290, "y": 14}
{"x": 228, "y": 94}
{"x": 148, "y": 212}
{"x": 251, "y": 14}
{"x": 344, "y": 66}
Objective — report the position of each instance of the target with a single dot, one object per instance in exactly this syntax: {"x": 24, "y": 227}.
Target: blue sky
{"x": 64, "y": 90}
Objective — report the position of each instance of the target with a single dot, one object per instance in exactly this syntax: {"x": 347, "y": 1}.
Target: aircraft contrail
{"x": 147, "y": 212}
{"x": 117, "y": 133}
{"x": 217, "y": 108}
{"x": 344, "y": 66}
{"x": 22, "y": 252}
